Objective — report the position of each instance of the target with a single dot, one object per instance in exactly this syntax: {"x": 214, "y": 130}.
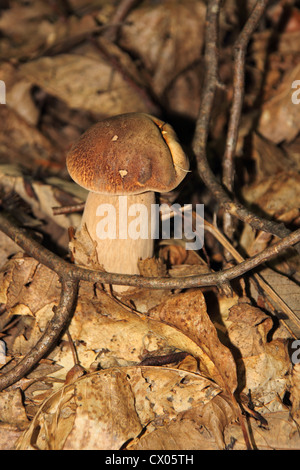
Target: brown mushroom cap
{"x": 128, "y": 154}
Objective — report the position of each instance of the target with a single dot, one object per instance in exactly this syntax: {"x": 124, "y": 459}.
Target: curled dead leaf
{"x": 105, "y": 409}
{"x": 187, "y": 312}
{"x": 263, "y": 365}
{"x": 84, "y": 83}
{"x": 280, "y": 115}
{"x": 169, "y": 39}
{"x": 281, "y": 433}
{"x": 12, "y": 410}
{"x": 295, "y": 393}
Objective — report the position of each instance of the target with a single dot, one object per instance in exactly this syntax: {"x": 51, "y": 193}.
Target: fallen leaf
{"x": 270, "y": 158}
{"x": 22, "y": 142}
{"x": 287, "y": 290}
{"x": 275, "y": 195}
{"x": 9, "y": 434}
{"x": 170, "y": 39}
{"x": 263, "y": 365}
{"x": 12, "y": 410}
{"x": 295, "y": 393}
{"x": 187, "y": 312}
{"x": 53, "y": 192}
{"x": 84, "y": 83}
{"x": 279, "y": 120}
{"x": 105, "y": 409}
{"x": 281, "y": 433}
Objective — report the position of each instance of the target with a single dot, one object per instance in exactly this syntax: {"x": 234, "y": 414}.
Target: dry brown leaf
{"x": 7, "y": 249}
{"x": 20, "y": 99}
{"x": 12, "y": 410}
{"x": 201, "y": 428}
{"x": 116, "y": 333}
{"x": 280, "y": 116}
{"x": 170, "y": 39}
{"x": 105, "y": 332}
{"x": 293, "y": 151}
{"x": 83, "y": 248}
{"x": 105, "y": 409}
{"x": 187, "y": 312}
{"x": 174, "y": 252}
{"x": 30, "y": 290}
{"x": 84, "y": 83}
{"x": 270, "y": 158}
{"x": 275, "y": 195}
{"x": 33, "y": 28}
{"x": 41, "y": 197}
{"x": 25, "y": 283}
{"x": 180, "y": 434}
{"x": 282, "y": 433}
{"x": 263, "y": 365}
{"x": 9, "y": 434}
{"x": 25, "y": 27}
{"x": 21, "y": 142}
{"x": 288, "y": 291}
{"x": 295, "y": 393}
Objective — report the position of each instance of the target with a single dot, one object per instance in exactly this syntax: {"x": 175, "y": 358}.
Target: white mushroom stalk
{"x": 123, "y": 161}
{"x": 122, "y": 231}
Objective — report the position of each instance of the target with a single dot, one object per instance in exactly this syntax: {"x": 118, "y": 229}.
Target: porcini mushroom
{"x": 132, "y": 155}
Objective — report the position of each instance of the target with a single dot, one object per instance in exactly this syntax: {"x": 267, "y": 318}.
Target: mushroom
{"x": 132, "y": 155}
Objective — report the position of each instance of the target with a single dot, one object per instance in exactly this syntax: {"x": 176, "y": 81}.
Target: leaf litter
{"x": 221, "y": 353}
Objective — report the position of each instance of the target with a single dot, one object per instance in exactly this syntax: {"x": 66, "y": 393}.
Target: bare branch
{"x": 68, "y": 271}
{"x": 68, "y": 209}
{"x": 240, "y": 49}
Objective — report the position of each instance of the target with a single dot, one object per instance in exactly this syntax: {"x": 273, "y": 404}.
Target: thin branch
{"x": 240, "y": 48}
{"x": 122, "y": 10}
{"x": 202, "y": 131}
{"x": 68, "y": 209}
{"x": 54, "y": 329}
{"x": 68, "y": 271}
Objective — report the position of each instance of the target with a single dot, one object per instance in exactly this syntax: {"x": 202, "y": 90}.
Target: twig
{"x": 118, "y": 18}
{"x": 54, "y": 329}
{"x": 202, "y": 130}
{"x": 240, "y": 48}
{"x": 68, "y": 209}
{"x": 68, "y": 271}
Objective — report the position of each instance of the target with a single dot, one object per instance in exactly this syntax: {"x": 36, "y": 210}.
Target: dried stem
{"x": 68, "y": 209}
{"x": 118, "y": 18}
{"x": 240, "y": 48}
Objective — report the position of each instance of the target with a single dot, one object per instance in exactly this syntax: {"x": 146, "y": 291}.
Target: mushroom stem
{"x": 121, "y": 227}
